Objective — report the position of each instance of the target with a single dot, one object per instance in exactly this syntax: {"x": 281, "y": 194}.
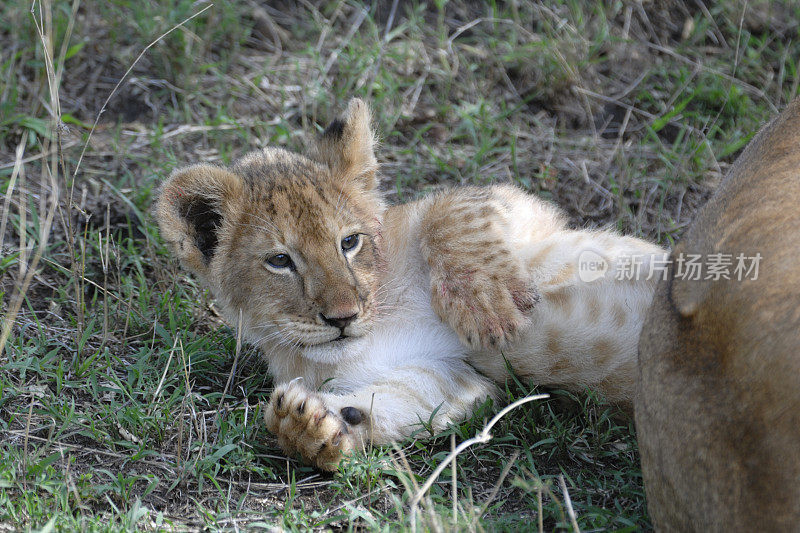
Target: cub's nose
{"x": 340, "y": 322}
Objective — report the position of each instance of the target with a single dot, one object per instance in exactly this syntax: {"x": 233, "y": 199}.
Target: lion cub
{"x": 391, "y": 314}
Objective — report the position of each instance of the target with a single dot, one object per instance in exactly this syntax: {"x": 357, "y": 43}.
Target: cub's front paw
{"x": 304, "y": 425}
{"x": 486, "y": 309}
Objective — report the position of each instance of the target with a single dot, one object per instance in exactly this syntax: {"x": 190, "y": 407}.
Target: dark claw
{"x": 352, "y": 415}
{"x": 301, "y": 407}
{"x": 279, "y": 401}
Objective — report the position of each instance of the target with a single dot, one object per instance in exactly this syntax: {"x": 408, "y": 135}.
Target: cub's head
{"x": 290, "y": 241}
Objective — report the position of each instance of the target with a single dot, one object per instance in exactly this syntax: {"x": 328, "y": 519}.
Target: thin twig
{"x": 116, "y": 87}
{"x": 482, "y": 436}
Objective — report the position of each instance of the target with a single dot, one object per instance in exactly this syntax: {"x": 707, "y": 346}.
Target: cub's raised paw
{"x": 486, "y": 309}
{"x": 304, "y": 424}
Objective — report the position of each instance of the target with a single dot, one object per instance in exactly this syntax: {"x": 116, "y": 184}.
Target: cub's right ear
{"x": 190, "y": 209}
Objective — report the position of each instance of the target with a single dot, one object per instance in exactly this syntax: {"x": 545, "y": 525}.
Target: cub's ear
{"x": 347, "y": 146}
{"x": 190, "y": 209}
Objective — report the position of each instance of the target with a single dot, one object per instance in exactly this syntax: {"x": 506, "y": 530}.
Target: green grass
{"x": 112, "y": 415}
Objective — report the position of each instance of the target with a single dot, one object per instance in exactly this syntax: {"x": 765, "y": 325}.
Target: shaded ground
{"x": 111, "y": 383}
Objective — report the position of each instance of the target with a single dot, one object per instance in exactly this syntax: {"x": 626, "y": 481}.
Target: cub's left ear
{"x": 347, "y": 146}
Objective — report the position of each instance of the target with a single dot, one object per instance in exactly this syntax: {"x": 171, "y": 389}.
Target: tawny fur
{"x": 718, "y": 408}
{"x": 428, "y": 311}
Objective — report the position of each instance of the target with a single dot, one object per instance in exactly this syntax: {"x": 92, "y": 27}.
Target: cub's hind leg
{"x": 478, "y": 286}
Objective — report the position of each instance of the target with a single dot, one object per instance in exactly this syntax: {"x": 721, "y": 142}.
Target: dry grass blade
{"x": 44, "y": 29}
{"x": 239, "y": 333}
{"x": 499, "y": 483}
{"x": 454, "y": 472}
{"x": 539, "y": 514}
{"x": 568, "y": 503}
{"x": 127, "y": 72}
{"x": 164, "y": 375}
{"x": 104, "y": 261}
{"x": 18, "y": 163}
{"x": 32, "y": 158}
{"x": 483, "y": 436}
{"x": 30, "y": 270}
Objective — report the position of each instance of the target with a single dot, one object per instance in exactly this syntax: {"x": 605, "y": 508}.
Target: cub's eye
{"x": 350, "y": 242}
{"x": 280, "y": 261}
